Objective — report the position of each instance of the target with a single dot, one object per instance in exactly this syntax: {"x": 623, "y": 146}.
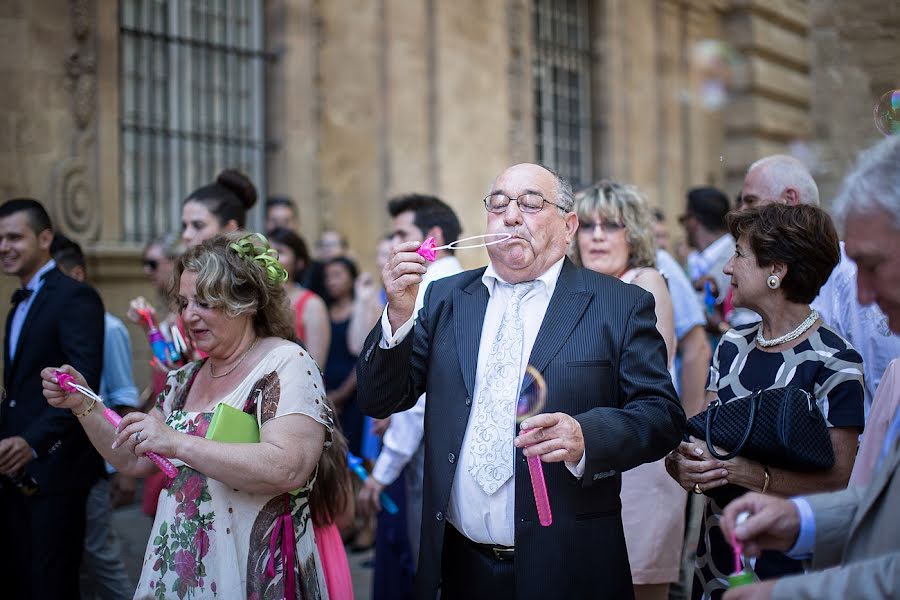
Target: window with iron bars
{"x": 192, "y": 85}
{"x": 562, "y": 81}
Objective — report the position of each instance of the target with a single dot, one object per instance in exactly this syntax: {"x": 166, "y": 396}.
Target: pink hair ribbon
{"x": 428, "y": 250}
{"x": 67, "y": 382}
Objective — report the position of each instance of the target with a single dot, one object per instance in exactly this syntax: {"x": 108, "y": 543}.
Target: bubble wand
{"x": 355, "y": 464}
{"x": 67, "y": 382}
{"x": 526, "y": 407}
{"x": 428, "y": 250}
{"x": 741, "y": 575}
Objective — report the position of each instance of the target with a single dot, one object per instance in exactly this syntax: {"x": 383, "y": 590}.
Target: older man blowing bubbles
{"x": 611, "y": 405}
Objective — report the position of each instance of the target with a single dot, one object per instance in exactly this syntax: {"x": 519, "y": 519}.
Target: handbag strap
{"x": 754, "y": 398}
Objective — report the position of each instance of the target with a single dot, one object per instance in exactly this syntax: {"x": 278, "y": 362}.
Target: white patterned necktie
{"x": 491, "y": 454}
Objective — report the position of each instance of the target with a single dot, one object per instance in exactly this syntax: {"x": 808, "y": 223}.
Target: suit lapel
{"x": 40, "y": 299}
{"x": 6, "y": 361}
{"x": 569, "y": 301}
{"x": 469, "y": 306}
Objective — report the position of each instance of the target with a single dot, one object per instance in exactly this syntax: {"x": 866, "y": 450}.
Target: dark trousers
{"x": 41, "y": 541}
{"x": 467, "y": 573}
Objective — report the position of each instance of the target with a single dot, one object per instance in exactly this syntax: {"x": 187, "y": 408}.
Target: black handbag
{"x": 781, "y": 427}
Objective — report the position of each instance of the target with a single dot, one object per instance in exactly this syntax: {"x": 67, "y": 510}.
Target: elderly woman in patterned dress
{"x": 235, "y": 521}
{"x": 783, "y": 255}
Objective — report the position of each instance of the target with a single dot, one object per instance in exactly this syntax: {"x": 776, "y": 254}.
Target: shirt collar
{"x": 33, "y": 283}
{"x": 548, "y": 278}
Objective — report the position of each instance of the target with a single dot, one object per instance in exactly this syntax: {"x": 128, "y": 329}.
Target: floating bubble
{"x": 887, "y": 113}
{"x": 533, "y": 398}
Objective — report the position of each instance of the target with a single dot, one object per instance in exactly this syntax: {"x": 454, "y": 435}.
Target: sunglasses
{"x": 151, "y": 264}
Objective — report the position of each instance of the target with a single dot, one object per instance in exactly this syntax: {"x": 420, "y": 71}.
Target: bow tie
{"x": 21, "y": 295}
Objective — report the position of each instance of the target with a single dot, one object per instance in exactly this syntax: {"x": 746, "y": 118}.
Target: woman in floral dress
{"x": 235, "y": 521}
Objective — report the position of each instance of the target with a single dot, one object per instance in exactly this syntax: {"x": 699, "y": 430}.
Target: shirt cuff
{"x": 577, "y": 469}
{"x": 388, "y": 466}
{"x": 388, "y": 340}
{"x": 806, "y": 539}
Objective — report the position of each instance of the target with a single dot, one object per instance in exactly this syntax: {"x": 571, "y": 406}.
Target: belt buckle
{"x": 503, "y": 553}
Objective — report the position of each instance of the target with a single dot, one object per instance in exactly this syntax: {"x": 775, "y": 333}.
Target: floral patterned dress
{"x": 210, "y": 540}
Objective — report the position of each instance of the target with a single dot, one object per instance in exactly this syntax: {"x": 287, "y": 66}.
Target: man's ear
{"x": 571, "y": 220}
{"x": 790, "y": 196}
{"x": 438, "y": 234}
{"x": 45, "y": 239}
{"x": 230, "y": 226}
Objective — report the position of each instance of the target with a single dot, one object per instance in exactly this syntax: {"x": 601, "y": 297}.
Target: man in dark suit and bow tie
{"x": 610, "y": 406}
{"x": 53, "y": 320}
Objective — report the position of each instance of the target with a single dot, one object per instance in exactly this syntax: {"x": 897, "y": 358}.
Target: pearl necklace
{"x": 236, "y": 365}
{"x": 792, "y": 335}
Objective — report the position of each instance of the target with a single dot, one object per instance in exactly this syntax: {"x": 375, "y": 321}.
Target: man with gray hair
{"x": 857, "y": 529}
{"x": 483, "y": 339}
{"x": 784, "y": 179}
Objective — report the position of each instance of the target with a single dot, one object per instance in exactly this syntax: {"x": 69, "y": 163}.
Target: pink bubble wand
{"x": 525, "y": 409}
{"x": 67, "y": 382}
{"x": 539, "y": 486}
{"x": 428, "y": 250}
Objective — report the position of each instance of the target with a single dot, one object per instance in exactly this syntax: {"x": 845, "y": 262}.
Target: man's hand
{"x": 15, "y": 453}
{"x": 555, "y": 437}
{"x": 379, "y": 426}
{"x": 757, "y": 591}
{"x": 402, "y": 275}
{"x": 368, "y": 501}
{"x": 774, "y": 523}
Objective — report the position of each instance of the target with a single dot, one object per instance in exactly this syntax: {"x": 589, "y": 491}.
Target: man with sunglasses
{"x": 610, "y": 403}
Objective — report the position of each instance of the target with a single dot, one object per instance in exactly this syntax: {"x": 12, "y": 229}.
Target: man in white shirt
{"x": 784, "y": 179}
{"x": 853, "y": 535}
{"x": 610, "y": 406}
{"x": 415, "y": 217}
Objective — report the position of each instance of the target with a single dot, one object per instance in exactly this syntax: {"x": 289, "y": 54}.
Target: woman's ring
{"x": 697, "y": 489}
{"x": 137, "y": 438}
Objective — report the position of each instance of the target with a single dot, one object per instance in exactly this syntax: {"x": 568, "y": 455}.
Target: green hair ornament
{"x": 255, "y": 246}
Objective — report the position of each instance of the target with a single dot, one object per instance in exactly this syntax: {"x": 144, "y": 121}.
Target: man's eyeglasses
{"x": 151, "y": 264}
{"x": 528, "y": 203}
{"x": 608, "y": 227}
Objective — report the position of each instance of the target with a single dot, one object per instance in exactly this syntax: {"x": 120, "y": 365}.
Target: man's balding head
{"x": 778, "y": 178}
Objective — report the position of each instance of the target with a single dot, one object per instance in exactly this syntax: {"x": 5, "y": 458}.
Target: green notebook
{"x": 232, "y": 425}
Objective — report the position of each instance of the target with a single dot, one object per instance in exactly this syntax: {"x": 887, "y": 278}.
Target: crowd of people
{"x": 277, "y": 372}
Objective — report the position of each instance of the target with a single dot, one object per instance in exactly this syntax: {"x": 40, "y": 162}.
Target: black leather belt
{"x": 502, "y": 553}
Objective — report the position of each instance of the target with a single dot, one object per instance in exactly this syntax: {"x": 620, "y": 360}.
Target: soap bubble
{"x": 720, "y": 69}
{"x": 533, "y": 398}
{"x": 887, "y": 113}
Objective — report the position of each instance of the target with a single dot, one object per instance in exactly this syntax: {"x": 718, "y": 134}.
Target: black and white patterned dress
{"x": 824, "y": 365}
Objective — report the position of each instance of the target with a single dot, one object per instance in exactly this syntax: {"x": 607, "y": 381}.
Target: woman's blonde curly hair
{"x": 625, "y": 204}
{"x": 237, "y": 284}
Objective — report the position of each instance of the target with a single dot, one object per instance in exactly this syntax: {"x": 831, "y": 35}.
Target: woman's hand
{"x": 136, "y": 307}
{"x": 691, "y": 465}
{"x": 141, "y": 433}
{"x": 58, "y": 397}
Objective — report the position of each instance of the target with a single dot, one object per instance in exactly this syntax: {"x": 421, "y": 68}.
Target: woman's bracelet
{"x": 88, "y": 410}
{"x": 765, "y": 482}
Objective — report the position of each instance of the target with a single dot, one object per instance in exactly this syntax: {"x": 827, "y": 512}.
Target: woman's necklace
{"x": 235, "y": 365}
{"x": 792, "y": 335}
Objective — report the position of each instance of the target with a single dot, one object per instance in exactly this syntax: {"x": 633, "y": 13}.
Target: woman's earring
{"x": 773, "y": 282}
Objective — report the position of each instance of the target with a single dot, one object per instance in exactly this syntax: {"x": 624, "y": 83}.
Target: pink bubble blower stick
{"x": 67, "y": 382}
{"x": 528, "y": 405}
{"x": 428, "y": 250}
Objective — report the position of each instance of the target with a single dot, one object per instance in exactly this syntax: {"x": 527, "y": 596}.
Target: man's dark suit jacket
{"x": 64, "y": 325}
{"x": 604, "y": 363}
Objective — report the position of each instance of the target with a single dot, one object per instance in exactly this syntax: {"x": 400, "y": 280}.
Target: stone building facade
{"x": 357, "y": 100}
